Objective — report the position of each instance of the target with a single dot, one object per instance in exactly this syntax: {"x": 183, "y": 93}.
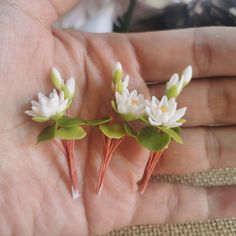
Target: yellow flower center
{"x": 134, "y": 102}
{"x": 164, "y": 109}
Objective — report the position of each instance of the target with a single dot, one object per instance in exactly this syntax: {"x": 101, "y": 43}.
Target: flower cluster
{"x": 133, "y": 106}
{"x": 175, "y": 85}
{"x": 54, "y": 106}
{"x": 53, "y": 109}
{"x": 160, "y": 120}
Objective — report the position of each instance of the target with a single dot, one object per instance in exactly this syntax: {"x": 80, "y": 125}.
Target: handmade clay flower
{"x": 163, "y": 121}
{"x": 130, "y": 105}
{"x": 118, "y": 69}
{"x": 68, "y": 86}
{"x": 164, "y": 113}
{"x": 56, "y": 78}
{"x": 175, "y": 85}
{"x": 114, "y": 133}
{"x": 52, "y": 108}
{"x": 48, "y": 108}
{"x": 117, "y": 84}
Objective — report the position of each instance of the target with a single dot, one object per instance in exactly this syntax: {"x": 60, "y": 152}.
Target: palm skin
{"x": 34, "y": 186}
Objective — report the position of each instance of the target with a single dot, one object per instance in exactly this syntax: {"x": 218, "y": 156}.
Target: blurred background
{"x": 147, "y": 15}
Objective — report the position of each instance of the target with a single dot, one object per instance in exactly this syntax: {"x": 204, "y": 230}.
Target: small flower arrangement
{"x": 159, "y": 120}
{"x": 54, "y": 110}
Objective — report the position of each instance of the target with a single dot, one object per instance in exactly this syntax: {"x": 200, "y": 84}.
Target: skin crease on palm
{"x": 34, "y": 189}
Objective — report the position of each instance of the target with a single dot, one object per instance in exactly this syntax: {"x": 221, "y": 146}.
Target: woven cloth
{"x": 221, "y": 227}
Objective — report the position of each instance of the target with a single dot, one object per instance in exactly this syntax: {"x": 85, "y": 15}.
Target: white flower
{"x": 164, "y": 112}
{"x": 175, "y": 85}
{"x": 48, "y": 107}
{"x": 130, "y": 104}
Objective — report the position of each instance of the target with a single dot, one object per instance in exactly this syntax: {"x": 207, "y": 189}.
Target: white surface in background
{"x": 98, "y": 15}
{"x": 102, "y": 21}
{"x": 93, "y": 15}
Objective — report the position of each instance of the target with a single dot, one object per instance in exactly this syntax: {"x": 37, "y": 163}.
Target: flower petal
{"x": 180, "y": 86}
{"x": 126, "y": 82}
{"x": 42, "y": 99}
{"x": 30, "y": 113}
{"x": 153, "y": 122}
{"x": 121, "y": 109}
{"x": 34, "y": 103}
{"x": 163, "y": 102}
{"x": 178, "y": 114}
{"x": 46, "y": 112}
{"x": 63, "y": 106}
{"x": 61, "y": 97}
{"x": 187, "y": 75}
{"x": 173, "y": 81}
{"x": 172, "y": 107}
{"x": 37, "y": 110}
{"x": 70, "y": 85}
{"x": 173, "y": 125}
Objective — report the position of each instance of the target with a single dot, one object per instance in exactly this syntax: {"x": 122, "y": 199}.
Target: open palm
{"x": 34, "y": 186}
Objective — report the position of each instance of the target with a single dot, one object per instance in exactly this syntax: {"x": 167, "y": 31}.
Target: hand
{"x": 34, "y": 188}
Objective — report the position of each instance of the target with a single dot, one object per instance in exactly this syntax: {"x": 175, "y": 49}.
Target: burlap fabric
{"x": 222, "y": 227}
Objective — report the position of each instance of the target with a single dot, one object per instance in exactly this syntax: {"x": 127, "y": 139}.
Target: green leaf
{"x": 47, "y": 133}
{"x": 66, "y": 121}
{"x": 172, "y": 92}
{"x": 144, "y": 119}
{"x": 113, "y": 131}
{"x": 172, "y": 133}
{"x": 129, "y": 117}
{"x": 181, "y": 121}
{"x": 100, "y": 121}
{"x": 177, "y": 130}
{"x": 129, "y": 130}
{"x": 40, "y": 119}
{"x": 69, "y": 133}
{"x": 151, "y": 138}
{"x": 113, "y": 105}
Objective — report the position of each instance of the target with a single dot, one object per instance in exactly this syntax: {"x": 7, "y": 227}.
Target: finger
{"x": 203, "y": 149}
{"x": 209, "y": 101}
{"x": 160, "y": 54}
{"x": 167, "y": 203}
{"x": 46, "y": 11}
